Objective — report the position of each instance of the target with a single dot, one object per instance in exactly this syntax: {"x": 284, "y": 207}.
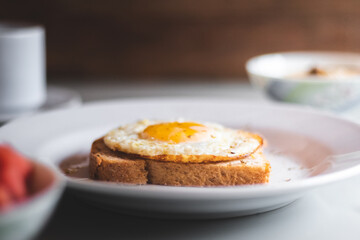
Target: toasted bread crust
{"x": 108, "y": 165}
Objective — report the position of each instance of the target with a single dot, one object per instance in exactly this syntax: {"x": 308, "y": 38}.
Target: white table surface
{"x": 330, "y": 212}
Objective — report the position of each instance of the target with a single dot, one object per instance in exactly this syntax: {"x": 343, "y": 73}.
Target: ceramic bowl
{"x": 272, "y": 74}
{"x": 24, "y": 220}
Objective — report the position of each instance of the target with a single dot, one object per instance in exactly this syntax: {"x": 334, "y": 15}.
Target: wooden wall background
{"x": 182, "y": 38}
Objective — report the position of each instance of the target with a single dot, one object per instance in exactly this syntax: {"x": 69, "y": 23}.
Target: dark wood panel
{"x": 182, "y": 38}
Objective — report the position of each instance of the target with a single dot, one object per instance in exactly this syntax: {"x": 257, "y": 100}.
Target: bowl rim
{"x": 251, "y": 61}
{"x": 58, "y": 183}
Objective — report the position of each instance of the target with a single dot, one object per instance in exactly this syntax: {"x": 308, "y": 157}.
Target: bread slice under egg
{"x": 114, "y": 166}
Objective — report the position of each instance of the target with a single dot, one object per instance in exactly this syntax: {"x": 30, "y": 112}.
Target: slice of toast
{"x": 113, "y": 166}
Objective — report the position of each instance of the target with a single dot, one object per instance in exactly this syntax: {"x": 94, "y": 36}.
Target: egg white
{"x": 223, "y": 144}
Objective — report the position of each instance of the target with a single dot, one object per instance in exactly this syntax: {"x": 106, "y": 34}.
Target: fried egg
{"x": 183, "y": 141}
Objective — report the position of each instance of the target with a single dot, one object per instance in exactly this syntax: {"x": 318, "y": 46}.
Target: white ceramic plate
{"x": 56, "y": 97}
{"x": 299, "y": 139}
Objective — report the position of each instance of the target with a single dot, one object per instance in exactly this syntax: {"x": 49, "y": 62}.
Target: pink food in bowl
{"x": 15, "y": 170}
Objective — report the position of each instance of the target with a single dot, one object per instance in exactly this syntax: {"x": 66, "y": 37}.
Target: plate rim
{"x": 226, "y": 191}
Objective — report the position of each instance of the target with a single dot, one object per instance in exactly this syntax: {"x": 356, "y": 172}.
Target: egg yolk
{"x": 176, "y": 132}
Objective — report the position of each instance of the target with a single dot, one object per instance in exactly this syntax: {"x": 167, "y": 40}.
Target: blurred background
{"x": 168, "y": 40}
{"x": 118, "y": 49}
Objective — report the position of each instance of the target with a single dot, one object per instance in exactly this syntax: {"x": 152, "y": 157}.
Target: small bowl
{"x": 272, "y": 74}
{"x": 24, "y": 220}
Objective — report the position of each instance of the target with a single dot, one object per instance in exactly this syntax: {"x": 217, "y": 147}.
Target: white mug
{"x": 22, "y": 67}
